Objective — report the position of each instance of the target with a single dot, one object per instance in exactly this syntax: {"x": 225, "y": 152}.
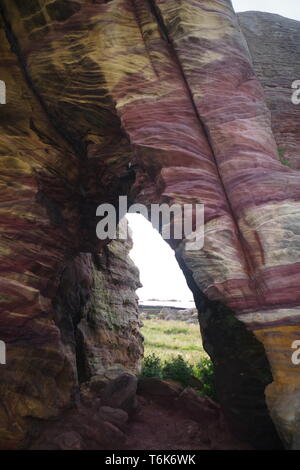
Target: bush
{"x": 178, "y": 369}
{"x": 152, "y": 366}
{"x": 204, "y": 370}
{"x": 181, "y": 371}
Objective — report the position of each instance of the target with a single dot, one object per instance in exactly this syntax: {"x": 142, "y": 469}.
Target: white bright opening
{"x": 287, "y": 8}
{"x": 162, "y": 279}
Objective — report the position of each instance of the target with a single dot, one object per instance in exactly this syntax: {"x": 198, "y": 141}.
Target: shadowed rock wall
{"x": 97, "y": 312}
{"x": 66, "y": 315}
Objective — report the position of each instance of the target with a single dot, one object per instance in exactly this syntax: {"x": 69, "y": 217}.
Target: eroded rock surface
{"x": 168, "y": 85}
{"x": 97, "y": 312}
{"x": 274, "y": 43}
{"x": 61, "y": 318}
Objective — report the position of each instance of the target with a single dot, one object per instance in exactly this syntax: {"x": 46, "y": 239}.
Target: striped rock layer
{"x": 170, "y": 86}
{"x": 274, "y": 43}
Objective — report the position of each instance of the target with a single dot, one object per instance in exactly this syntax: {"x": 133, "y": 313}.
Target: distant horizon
{"x": 179, "y": 304}
{"x": 166, "y": 300}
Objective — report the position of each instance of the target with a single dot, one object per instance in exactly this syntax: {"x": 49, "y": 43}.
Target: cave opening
{"x": 166, "y": 303}
{"x": 161, "y": 277}
{"x": 233, "y": 352}
{"x": 168, "y": 402}
{"x": 174, "y": 407}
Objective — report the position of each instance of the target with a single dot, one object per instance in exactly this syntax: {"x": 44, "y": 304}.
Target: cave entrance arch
{"x": 242, "y": 371}
{"x": 164, "y": 298}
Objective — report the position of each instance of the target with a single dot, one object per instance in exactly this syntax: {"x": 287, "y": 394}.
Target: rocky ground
{"x": 188, "y": 315}
{"x": 132, "y": 414}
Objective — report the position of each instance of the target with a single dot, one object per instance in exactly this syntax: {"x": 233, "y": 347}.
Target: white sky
{"x": 287, "y": 8}
{"x": 159, "y": 272}
{"x": 160, "y": 275}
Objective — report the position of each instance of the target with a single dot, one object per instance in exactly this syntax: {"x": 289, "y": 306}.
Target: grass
{"x": 168, "y": 339}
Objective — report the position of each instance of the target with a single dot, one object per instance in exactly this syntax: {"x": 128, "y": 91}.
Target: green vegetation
{"x": 152, "y": 366}
{"x": 173, "y": 350}
{"x": 176, "y": 368}
{"x": 281, "y": 153}
{"x": 204, "y": 371}
{"x": 168, "y": 338}
{"x": 176, "y": 331}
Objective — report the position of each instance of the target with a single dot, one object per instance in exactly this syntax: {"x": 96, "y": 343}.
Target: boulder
{"x": 115, "y": 416}
{"x": 159, "y": 389}
{"x": 201, "y": 409}
{"x": 121, "y": 392}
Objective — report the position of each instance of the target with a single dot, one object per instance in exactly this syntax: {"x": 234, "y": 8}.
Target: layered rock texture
{"x": 97, "y": 312}
{"x": 274, "y": 43}
{"x": 170, "y": 86}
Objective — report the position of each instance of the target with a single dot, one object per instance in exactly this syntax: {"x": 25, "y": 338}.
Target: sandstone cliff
{"x": 274, "y": 43}
{"x": 168, "y": 85}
